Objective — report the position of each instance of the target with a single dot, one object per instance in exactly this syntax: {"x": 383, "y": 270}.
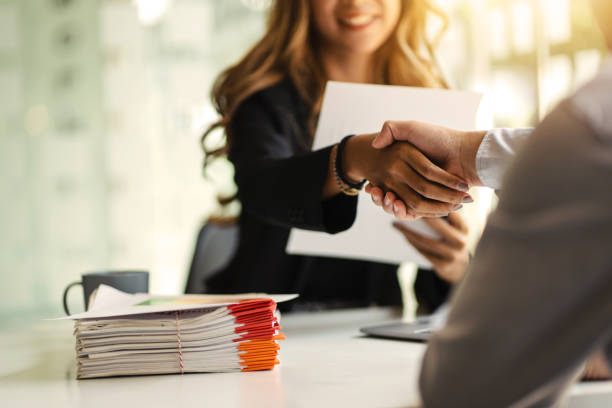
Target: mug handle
{"x": 66, "y": 295}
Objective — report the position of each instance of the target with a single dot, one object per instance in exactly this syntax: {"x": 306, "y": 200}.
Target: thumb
{"x": 384, "y": 138}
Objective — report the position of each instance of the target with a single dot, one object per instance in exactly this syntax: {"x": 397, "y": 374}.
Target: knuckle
{"x": 395, "y": 168}
{"x": 426, "y": 171}
{"x": 410, "y": 204}
{"x": 425, "y": 189}
{"x": 413, "y": 203}
{"x": 388, "y": 181}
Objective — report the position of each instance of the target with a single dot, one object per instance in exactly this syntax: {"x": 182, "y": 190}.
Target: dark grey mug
{"x": 125, "y": 281}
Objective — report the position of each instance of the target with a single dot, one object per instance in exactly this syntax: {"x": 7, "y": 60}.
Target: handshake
{"x": 423, "y": 170}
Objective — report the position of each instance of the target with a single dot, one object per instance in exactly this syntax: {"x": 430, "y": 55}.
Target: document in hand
{"x": 362, "y": 108}
{"x": 124, "y": 334}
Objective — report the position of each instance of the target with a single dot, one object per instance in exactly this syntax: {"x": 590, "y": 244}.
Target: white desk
{"x": 324, "y": 362}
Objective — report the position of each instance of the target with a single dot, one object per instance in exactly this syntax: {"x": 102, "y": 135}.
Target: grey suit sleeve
{"x": 537, "y": 299}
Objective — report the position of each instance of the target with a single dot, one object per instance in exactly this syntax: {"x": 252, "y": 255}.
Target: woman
{"x": 269, "y": 103}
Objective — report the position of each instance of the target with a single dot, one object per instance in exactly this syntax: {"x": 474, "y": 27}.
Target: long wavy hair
{"x": 289, "y": 50}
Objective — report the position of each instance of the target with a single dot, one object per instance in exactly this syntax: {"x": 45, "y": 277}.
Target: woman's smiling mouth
{"x": 356, "y": 21}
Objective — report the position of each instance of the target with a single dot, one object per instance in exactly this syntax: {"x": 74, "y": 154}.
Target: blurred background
{"x": 103, "y": 103}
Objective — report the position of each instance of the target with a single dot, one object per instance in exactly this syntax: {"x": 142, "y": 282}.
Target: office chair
{"x": 215, "y": 246}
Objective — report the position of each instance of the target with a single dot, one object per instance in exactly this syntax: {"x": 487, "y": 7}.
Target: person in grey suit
{"x": 536, "y": 301}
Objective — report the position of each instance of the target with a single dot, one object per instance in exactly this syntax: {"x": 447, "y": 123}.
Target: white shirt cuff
{"x": 496, "y": 152}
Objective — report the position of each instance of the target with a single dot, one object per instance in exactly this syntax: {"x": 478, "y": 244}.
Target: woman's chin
{"x": 361, "y": 48}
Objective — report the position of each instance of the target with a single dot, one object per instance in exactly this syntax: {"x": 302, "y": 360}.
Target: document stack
{"x": 126, "y": 334}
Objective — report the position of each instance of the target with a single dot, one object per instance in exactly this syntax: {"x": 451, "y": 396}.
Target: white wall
{"x": 100, "y": 121}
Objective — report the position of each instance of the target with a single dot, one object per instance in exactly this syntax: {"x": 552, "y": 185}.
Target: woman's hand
{"x": 424, "y": 188}
{"x": 449, "y": 254}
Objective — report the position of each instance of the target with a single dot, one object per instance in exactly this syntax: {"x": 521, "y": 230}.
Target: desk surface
{"x": 324, "y": 362}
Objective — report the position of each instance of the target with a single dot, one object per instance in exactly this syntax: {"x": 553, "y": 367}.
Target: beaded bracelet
{"x": 353, "y": 188}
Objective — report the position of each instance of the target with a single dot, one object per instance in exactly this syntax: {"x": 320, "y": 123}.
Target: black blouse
{"x": 280, "y": 182}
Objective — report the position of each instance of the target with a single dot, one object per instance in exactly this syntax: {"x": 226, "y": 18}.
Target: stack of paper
{"x": 126, "y": 334}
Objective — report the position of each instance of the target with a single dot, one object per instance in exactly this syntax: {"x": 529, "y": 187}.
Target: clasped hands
{"x": 428, "y": 174}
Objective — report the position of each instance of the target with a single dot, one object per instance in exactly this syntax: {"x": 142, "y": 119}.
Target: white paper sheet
{"x": 361, "y": 108}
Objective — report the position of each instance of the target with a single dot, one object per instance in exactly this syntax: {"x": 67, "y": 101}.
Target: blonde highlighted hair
{"x": 288, "y": 50}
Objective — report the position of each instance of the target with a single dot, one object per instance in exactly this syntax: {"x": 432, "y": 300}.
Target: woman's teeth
{"x": 357, "y": 20}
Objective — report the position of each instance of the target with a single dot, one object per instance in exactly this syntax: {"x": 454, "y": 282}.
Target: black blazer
{"x": 280, "y": 181}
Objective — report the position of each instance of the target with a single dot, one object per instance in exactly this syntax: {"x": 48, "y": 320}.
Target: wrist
{"x": 470, "y": 143}
{"x": 352, "y": 157}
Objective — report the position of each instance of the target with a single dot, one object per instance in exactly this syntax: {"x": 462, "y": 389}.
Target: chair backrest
{"x": 215, "y": 246}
